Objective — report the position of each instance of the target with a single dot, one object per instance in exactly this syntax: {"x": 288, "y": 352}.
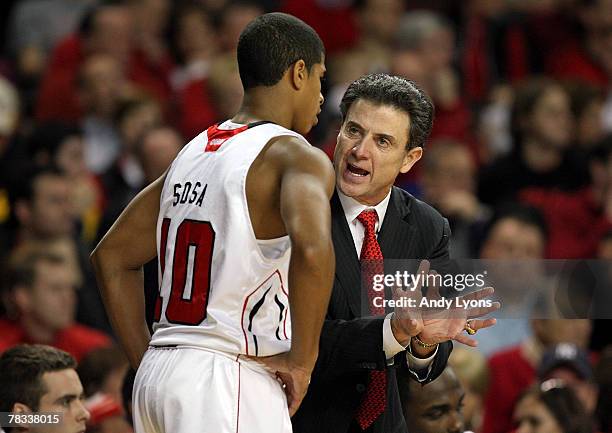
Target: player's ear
{"x": 22, "y": 211}
{"x": 298, "y": 74}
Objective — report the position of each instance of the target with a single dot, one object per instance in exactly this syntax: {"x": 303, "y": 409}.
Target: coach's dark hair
{"x": 270, "y": 44}
{"x": 21, "y": 371}
{"x": 398, "y": 92}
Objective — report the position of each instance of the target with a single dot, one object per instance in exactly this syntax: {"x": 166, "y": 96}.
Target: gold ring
{"x": 468, "y": 328}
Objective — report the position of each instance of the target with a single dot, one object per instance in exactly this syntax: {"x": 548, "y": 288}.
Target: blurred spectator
{"x": 102, "y": 88}
{"x": 516, "y": 232}
{"x": 9, "y": 118}
{"x": 62, "y": 146}
{"x": 42, "y": 288}
{"x": 42, "y": 209}
{"x": 425, "y": 42}
{"x": 449, "y": 184}
{"x": 195, "y": 45}
{"x": 470, "y": 367}
{"x": 493, "y": 129}
{"x": 551, "y": 407}
{"x": 35, "y": 27}
{"x": 436, "y": 407}
{"x": 41, "y": 203}
{"x": 157, "y": 149}
{"x": 590, "y": 58}
{"x": 36, "y": 378}
{"x": 587, "y": 103}
{"x": 106, "y": 29}
{"x": 334, "y": 21}
{"x": 234, "y": 17}
{"x": 151, "y": 64}
{"x": 514, "y": 369}
{"x": 515, "y": 239}
{"x": 569, "y": 363}
{"x": 377, "y": 24}
{"x": 106, "y": 415}
{"x": 125, "y": 177}
{"x": 578, "y": 220}
{"x": 102, "y": 371}
{"x": 225, "y": 88}
{"x": 542, "y": 129}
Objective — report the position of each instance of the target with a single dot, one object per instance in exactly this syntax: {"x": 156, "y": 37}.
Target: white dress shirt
{"x": 352, "y": 208}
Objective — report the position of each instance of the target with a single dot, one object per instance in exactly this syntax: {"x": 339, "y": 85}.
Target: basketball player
{"x": 241, "y": 224}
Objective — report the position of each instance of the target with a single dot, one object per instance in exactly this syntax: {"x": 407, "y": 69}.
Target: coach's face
{"x": 372, "y": 150}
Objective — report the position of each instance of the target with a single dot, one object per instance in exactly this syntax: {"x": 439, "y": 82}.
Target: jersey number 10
{"x": 198, "y": 237}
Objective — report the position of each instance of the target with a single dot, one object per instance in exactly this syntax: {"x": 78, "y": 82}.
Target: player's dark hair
{"x": 270, "y": 44}
{"x": 21, "y": 371}
{"x": 398, "y": 92}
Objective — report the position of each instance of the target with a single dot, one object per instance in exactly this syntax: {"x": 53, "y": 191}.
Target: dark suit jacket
{"x": 351, "y": 345}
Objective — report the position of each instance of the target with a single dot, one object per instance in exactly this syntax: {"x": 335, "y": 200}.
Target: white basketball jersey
{"x": 220, "y": 287}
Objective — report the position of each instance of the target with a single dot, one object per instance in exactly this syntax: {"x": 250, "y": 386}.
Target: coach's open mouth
{"x": 356, "y": 171}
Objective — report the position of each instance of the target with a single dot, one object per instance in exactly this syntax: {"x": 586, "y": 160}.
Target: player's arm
{"x": 307, "y": 184}
{"x": 118, "y": 261}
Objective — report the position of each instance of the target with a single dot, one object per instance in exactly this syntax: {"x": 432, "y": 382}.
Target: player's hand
{"x": 293, "y": 377}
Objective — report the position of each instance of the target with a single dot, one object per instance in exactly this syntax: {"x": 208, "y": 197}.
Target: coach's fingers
{"x": 482, "y": 324}
{"x": 464, "y": 339}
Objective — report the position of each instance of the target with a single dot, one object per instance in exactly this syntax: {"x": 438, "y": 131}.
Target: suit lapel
{"x": 348, "y": 271}
{"x": 395, "y": 227}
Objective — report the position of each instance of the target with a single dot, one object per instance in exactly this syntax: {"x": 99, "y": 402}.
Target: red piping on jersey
{"x": 216, "y": 137}
{"x": 287, "y": 309}
{"x": 246, "y": 340}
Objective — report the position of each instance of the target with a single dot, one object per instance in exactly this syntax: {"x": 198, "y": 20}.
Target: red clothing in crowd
{"x": 576, "y": 222}
{"x": 58, "y": 94}
{"x": 334, "y": 24}
{"x": 78, "y": 340}
{"x": 196, "y": 110}
{"x": 572, "y": 62}
{"x": 510, "y": 373}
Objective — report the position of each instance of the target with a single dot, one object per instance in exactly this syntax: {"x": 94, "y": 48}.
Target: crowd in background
{"x": 97, "y": 98}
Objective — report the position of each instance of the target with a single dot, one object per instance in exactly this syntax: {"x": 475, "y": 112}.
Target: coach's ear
{"x": 298, "y": 74}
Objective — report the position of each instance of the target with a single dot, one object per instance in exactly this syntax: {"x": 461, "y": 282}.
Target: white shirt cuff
{"x": 390, "y": 345}
{"x": 420, "y": 368}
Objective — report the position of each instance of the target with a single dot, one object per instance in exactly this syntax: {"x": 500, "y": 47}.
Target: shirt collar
{"x": 352, "y": 208}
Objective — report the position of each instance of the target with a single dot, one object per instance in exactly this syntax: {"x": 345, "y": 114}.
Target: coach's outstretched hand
{"x": 294, "y": 378}
{"x": 435, "y": 325}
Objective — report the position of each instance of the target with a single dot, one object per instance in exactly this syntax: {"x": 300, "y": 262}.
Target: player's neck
{"x": 257, "y": 106}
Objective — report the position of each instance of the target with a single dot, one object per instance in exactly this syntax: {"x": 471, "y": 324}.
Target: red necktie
{"x": 375, "y": 399}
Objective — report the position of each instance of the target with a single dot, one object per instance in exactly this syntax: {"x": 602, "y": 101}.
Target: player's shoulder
{"x": 294, "y": 151}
